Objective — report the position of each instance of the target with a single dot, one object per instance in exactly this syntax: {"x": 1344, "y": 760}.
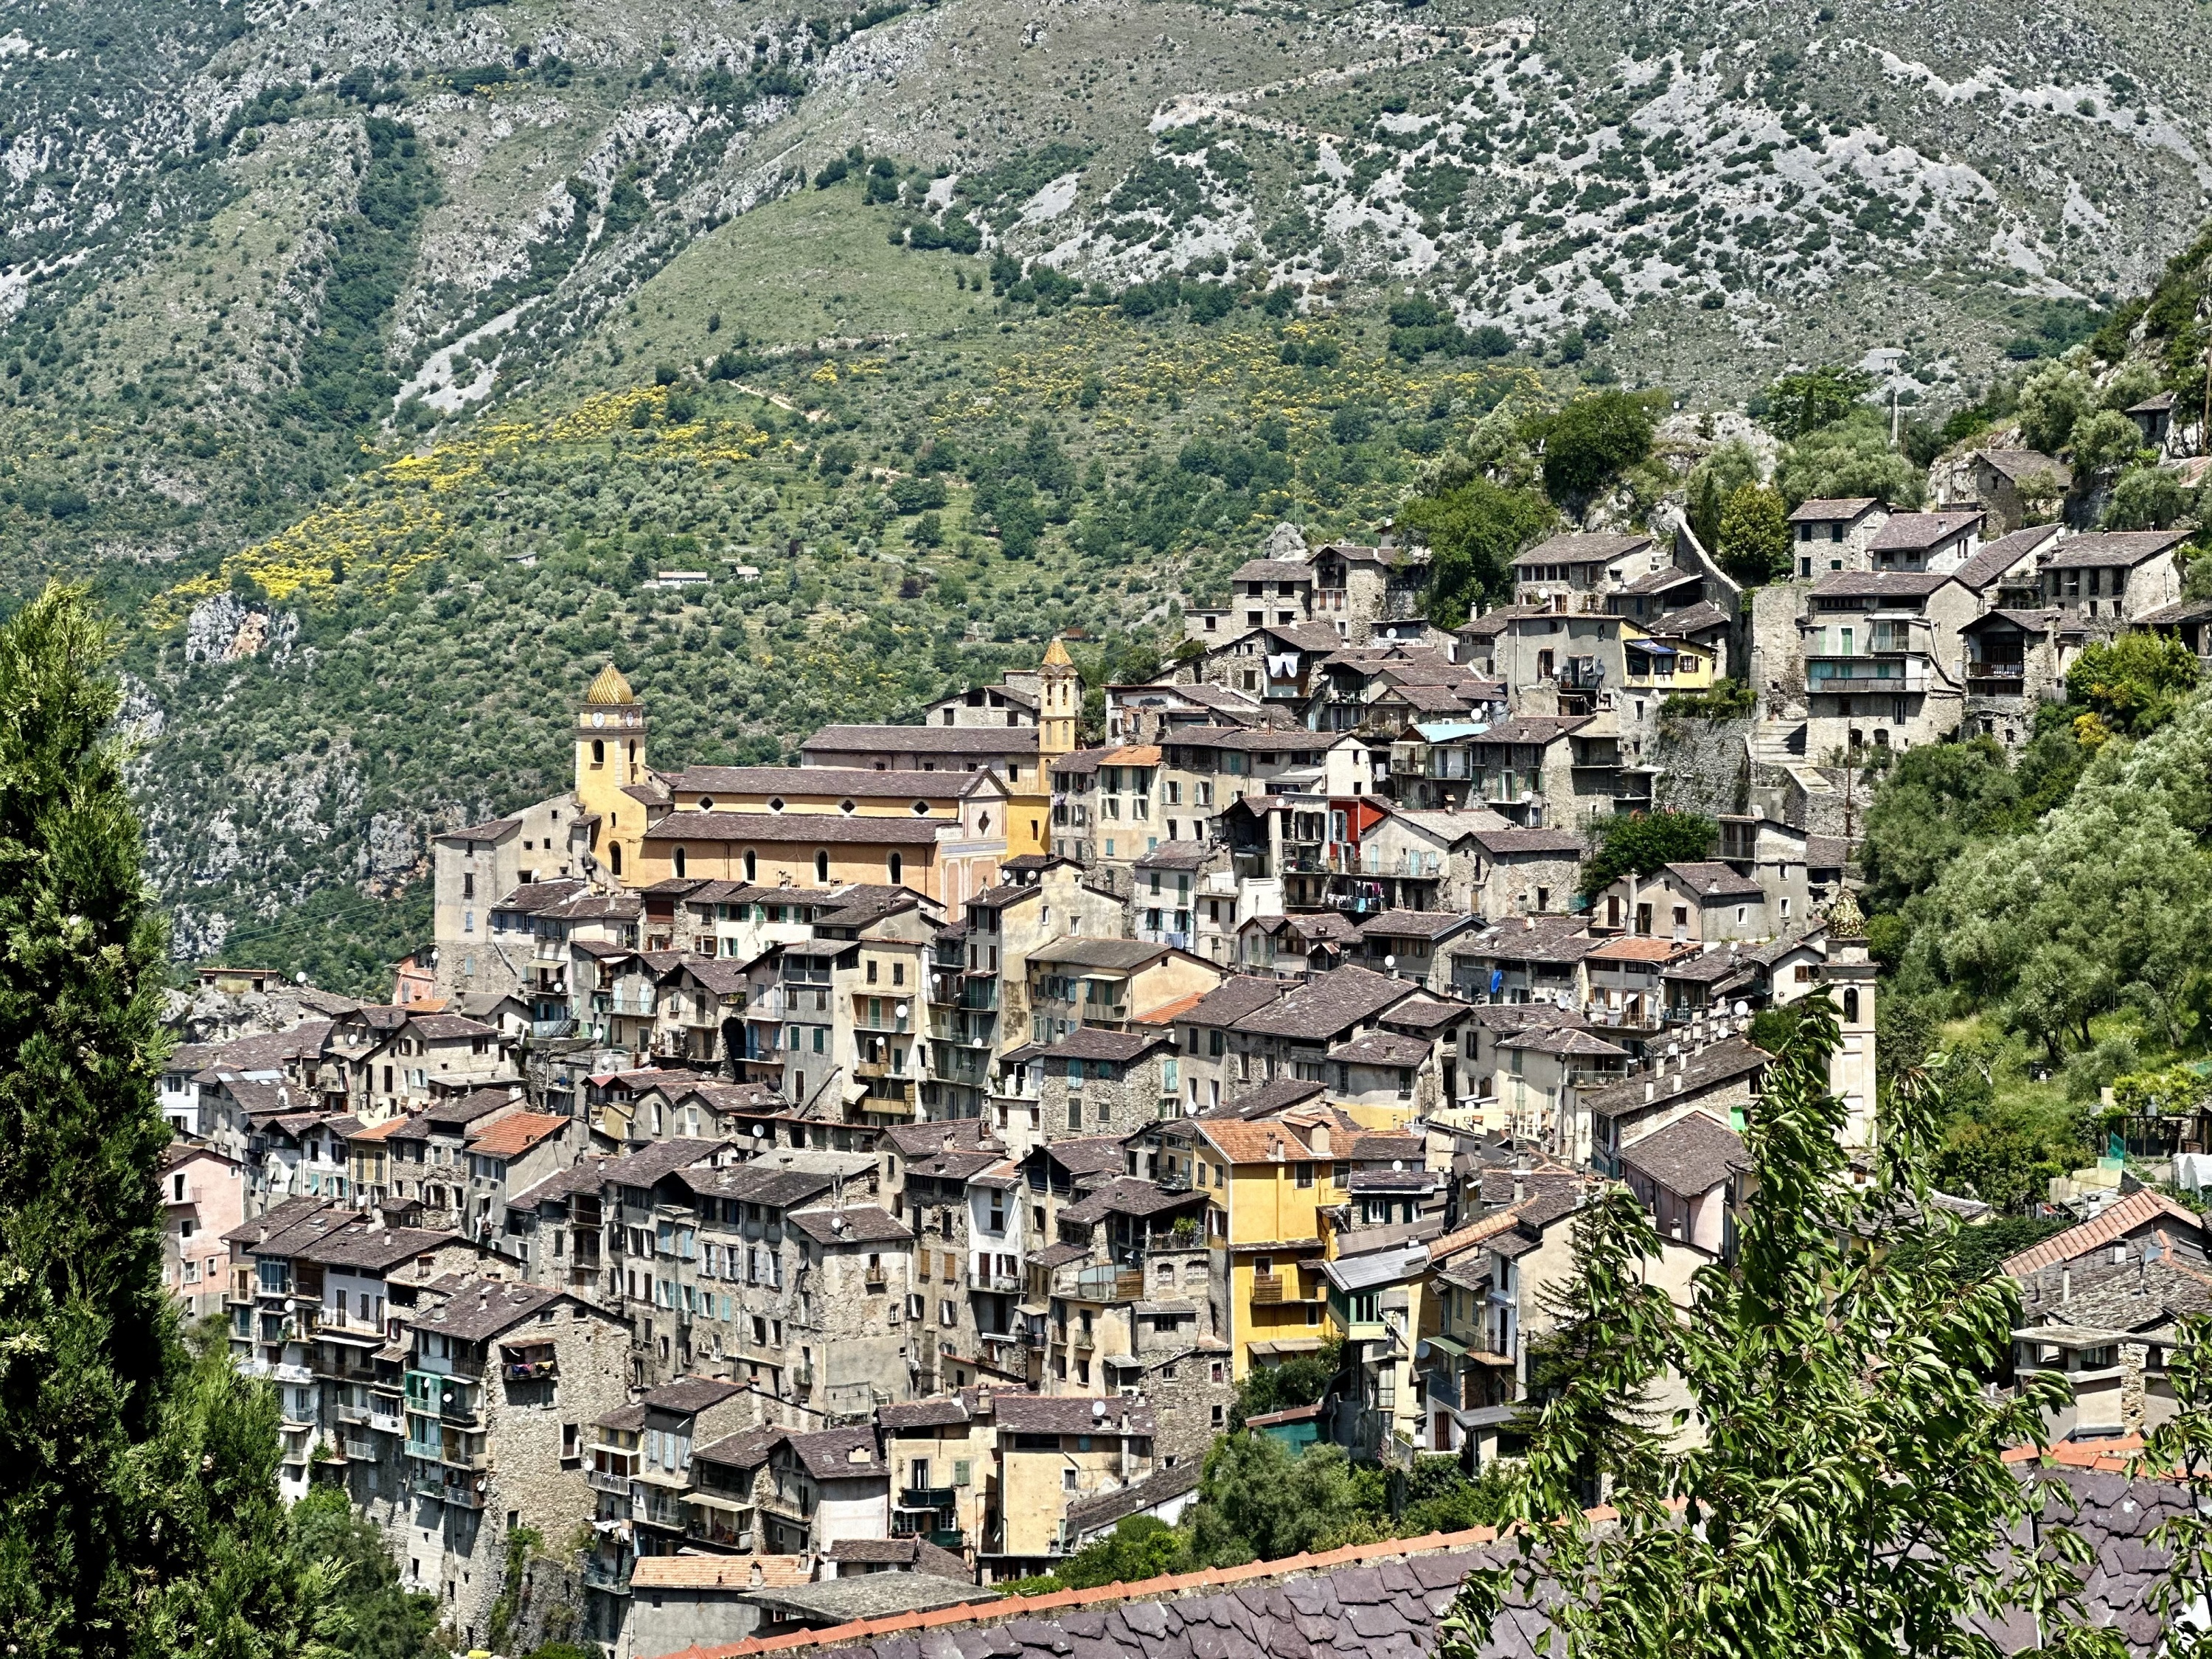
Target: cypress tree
{"x": 138, "y": 1507}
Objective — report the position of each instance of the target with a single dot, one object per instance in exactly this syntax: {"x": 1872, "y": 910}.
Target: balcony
{"x": 359, "y": 1451}
{"x": 719, "y": 1528}
{"x": 927, "y": 1498}
{"x": 1872, "y": 675}
{"x": 1266, "y": 1288}
{"x": 608, "y": 1577}
{"x": 463, "y": 1494}
{"x": 286, "y": 1373}
{"x": 386, "y": 1422}
{"x": 608, "y": 1480}
{"x": 1004, "y": 1284}
{"x": 530, "y": 1371}
{"x": 550, "y": 1030}
{"x": 1996, "y": 679}
{"x": 346, "y": 1411}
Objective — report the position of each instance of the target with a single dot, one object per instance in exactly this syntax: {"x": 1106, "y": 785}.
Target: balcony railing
{"x": 608, "y": 1480}
{"x": 927, "y": 1498}
{"x": 607, "y": 1576}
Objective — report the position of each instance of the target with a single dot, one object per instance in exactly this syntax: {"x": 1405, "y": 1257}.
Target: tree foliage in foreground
{"x": 1842, "y": 1489}
{"x": 138, "y": 1507}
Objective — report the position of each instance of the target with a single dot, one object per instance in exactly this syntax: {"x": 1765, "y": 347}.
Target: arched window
{"x": 752, "y": 866}
{"x": 679, "y": 861}
{"x": 614, "y": 857}
{"x": 898, "y": 869}
{"x": 599, "y": 751}
{"x": 822, "y": 869}
{"x": 1850, "y": 1004}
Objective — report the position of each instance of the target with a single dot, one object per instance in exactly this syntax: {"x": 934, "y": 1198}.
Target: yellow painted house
{"x": 1269, "y": 1180}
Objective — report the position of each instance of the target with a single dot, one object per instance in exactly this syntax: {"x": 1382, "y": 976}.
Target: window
{"x": 822, "y": 869}
{"x": 1305, "y": 1175}
{"x": 679, "y": 862}
{"x": 897, "y": 864}
{"x": 1067, "y": 1480}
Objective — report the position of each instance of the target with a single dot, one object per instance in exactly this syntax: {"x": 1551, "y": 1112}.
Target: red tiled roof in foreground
{"x": 1060, "y": 1601}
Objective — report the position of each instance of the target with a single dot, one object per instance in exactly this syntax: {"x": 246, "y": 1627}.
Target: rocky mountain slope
{"x": 337, "y": 343}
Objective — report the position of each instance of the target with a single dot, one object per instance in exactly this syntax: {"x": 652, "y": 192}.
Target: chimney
{"x": 1675, "y": 1084}
{"x": 1650, "y": 1091}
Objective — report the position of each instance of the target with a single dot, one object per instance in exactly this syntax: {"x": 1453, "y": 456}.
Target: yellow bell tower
{"x": 1059, "y": 701}
{"x": 609, "y": 756}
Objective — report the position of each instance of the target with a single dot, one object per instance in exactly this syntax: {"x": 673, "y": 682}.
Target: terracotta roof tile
{"x": 2118, "y": 1219}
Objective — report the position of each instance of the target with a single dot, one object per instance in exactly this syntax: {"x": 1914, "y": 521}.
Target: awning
{"x": 1484, "y": 1417}
{"x": 1652, "y": 646}
{"x": 725, "y": 1503}
{"x": 1432, "y": 1346}
{"x": 1284, "y": 1348}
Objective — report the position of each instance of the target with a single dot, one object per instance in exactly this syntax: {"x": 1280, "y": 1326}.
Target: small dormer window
{"x": 847, "y": 807}
{"x": 922, "y": 809}
{"x": 706, "y": 803}
{"x": 775, "y": 803}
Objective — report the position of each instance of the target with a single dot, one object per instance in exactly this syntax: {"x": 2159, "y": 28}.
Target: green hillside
{"x": 959, "y": 323}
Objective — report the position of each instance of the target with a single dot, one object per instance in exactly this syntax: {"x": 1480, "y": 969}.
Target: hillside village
{"x": 833, "y": 1189}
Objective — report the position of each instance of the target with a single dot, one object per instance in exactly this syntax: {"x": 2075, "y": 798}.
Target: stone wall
{"x": 1705, "y": 765}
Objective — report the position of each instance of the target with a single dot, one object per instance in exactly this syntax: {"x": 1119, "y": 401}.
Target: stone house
{"x": 1053, "y": 1451}
{"x": 951, "y": 1314}
{"x": 2019, "y": 487}
{"x": 944, "y": 1469}
{"x": 1522, "y": 871}
{"x": 1532, "y": 958}
{"x": 1883, "y": 659}
{"x": 1104, "y": 1082}
{"x": 386, "y": 1068}
{"x": 1719, "y": 1079}
{"x": 1410, "y": 944}
{"x": 502, "y": 1380}
{"x": 855, "y": 1339}
{"x": 472, "y": 869}
{"x": 1924, "y": 542}
{"x": 821, "y": 1488}
{"x": 671, "y": 1421}
{"x": 1107, "y": 982}
{"x": 1543, "y": 1074}
{"x": 1830, "y": 535}
{"x": 1692, "y": 1176}
{"x": 1699, "y": 901}
{"x": 2114, "y": 576}
{"x": 1130, "y": 1278}
{"x": 2015, "y": 660}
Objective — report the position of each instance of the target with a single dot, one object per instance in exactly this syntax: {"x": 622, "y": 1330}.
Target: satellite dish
{"x": 1740, "y": 1010}
{"x": 901, "y": 1010}
{"x": 299, "y": 978}
{"x": 758, "y": 1130}
{"x": 1098, "y": 1408}
{"x": 1390, "y": 962}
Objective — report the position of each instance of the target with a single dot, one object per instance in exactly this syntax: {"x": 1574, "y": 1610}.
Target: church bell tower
{"x": 611, "y": 755}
